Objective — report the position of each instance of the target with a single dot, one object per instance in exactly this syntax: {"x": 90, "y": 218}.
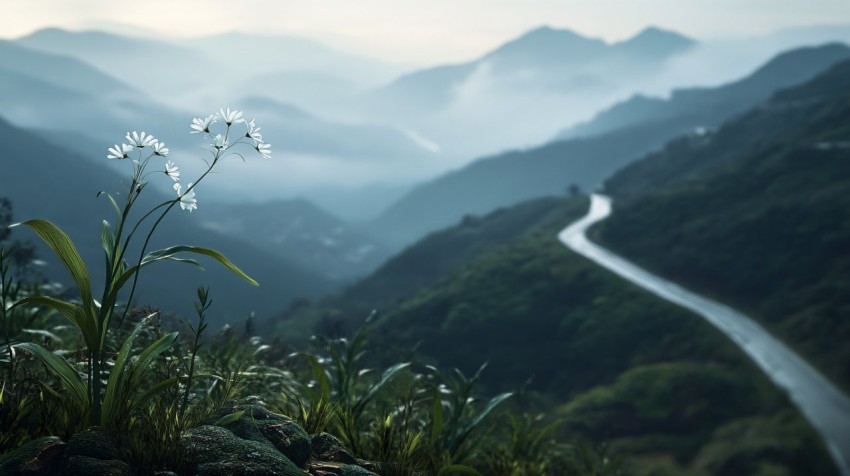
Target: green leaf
{"x": 388, "y": 375}
{"x": 464, "y": 432}
{"x": 320, "y": 375}
{"x": 187, "y": 261}
{"x": 143, "y": 363}
{"x": 437, "y": 420}
{"x": 230, "y": 418}
{"x": 491, "y": 405}
{"x": 59, "y": 367}
{"x": 73, "y": 312}
{"x": 171, "y": 251}
{"x": 113, "y": 397}
{"x": 61, "y": 244}
{"x": 44, "y": 334}
{"x": 107, "y": 240}
{"x": 114, "y": 205}
{"x": 155, "y": 390}
{"x": 120, "y": 376}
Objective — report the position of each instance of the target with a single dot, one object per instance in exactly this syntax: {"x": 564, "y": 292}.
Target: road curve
{"x": 823, "y": 404}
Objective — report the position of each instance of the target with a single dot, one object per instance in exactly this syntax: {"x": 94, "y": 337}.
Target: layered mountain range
{"x": 737, "y": 190}
{"x": 616, "y": 137}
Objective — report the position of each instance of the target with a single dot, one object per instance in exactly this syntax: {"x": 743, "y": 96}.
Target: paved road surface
{"x": 823, "y": 404}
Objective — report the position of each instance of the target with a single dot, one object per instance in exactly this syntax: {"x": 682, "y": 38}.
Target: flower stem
{"x": 171, "y": 205}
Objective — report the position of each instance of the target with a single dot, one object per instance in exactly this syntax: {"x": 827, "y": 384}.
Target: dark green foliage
{"x": 676, "y": 400}
{"x": 750, "y": 446}
{"x": 536, "y": 311}
{"x": 756, "y": 214}
{"x": 530, "y": 449}
{"x": 314, "y": 415}
{"x": 548, "y": 320}
{"x": 423, "y": 264}
{"x": 552, "y": 322}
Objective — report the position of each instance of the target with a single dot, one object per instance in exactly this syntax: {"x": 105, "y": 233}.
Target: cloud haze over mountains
{"x": 433, "y": 191}
{"x": 349, "y": 132}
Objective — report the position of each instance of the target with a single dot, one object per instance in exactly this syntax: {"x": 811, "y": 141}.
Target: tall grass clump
{"x": 116, "y": 382}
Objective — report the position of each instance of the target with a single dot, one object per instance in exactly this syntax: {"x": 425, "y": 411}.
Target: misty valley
{"x": 564, "y": 256}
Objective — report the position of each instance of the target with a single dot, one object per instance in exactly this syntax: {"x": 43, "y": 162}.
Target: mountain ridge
{"x": 790, "y": 67}
{"x": 585, "y": 161}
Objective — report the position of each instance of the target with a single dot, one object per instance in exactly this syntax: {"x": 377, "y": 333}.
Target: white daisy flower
{"x": 160, "y": 149}
{"x": 187, "y": 200}
{"x": 231, "y": 117}
{"x": 203, "y": 125}
{"x": 264, "y": 149}
{"x": 219, "y": 142}
{"x": 254, "y": 131}
{"x": 140, "y": 140}
{"x": 172, "y": 171}
{"x": 119, "y": 151}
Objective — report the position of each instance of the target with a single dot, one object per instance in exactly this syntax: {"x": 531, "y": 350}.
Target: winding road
{"x": 823, "y": 404}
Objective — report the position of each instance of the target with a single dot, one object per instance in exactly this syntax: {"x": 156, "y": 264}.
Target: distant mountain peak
{"x": 549, "y": 36}
{"x": 50, "y": 30}
{"x": 652, "y": 32}
{"x": 655, "y": 41}
{"x": 54, "y": 33}
{"x": 544, "y": 44}
{"x": 547, "y": 31}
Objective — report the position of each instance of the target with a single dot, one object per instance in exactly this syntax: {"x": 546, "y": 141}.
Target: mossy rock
{"x": 39, "y": 456}
{"x": 327, "y": 447}
{"x": 93, "y": 443}
{"x": 353, "y": 470}
{"x": 215, "y": 451}
{"x": 76, "y": 465}
{"x": 93, "y": 452}
{"x": 263, "y": 426}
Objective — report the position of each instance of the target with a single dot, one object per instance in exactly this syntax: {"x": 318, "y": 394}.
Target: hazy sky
{"x": 421, "y": 31}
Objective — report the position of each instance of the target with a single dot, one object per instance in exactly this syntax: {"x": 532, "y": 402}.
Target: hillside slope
{"x": 299, "y": 232}
{"x": 629, "y": 369}
{"x": 421, "y": 265}
{"x": 756, "y": 215}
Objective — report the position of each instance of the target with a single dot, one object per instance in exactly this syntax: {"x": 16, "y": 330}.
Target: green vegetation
{"x": 757, "y": 215}
{"x": 605, "y": 361}
{"x": 329, "y": 409}
{"x": 574, "y": 354}
{"x": 422, "y": 264}
{"x": 119, "y": 391}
